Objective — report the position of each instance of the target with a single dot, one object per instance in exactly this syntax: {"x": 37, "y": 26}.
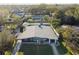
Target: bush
{"x": 7, "y": 52}
{"x": 6, "y": 41}
{"x": 46, "y": 18}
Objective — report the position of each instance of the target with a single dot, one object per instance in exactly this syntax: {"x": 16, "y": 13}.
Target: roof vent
{"x": 40, "y": 25}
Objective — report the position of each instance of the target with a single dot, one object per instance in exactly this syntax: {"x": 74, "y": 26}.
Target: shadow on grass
{"x": 62, "y": 49}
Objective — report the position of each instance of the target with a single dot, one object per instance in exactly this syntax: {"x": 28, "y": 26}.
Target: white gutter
{"x": 55, "y": 31}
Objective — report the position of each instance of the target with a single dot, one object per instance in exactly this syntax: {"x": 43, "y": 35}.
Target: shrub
{"x": 56, "y": 23}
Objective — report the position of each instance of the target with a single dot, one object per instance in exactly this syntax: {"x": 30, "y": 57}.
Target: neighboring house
{"x": 17, "y": 12}
{"x": 37, "y": 14}
{"x": 38, "y": 11}
{"x": 21, "y": 13}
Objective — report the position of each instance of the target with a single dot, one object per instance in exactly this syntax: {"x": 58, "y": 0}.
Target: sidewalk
{"x": 17, "y": 47}
{"x": 55, "y": 51}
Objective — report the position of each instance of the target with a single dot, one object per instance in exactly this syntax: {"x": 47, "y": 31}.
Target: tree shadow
{"x": 62, "y": 49}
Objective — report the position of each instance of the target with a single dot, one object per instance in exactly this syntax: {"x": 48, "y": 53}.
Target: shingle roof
{"x": 36, "y": 31}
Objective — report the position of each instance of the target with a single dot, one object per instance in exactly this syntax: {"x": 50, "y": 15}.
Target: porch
{"x": 37, "y": 40}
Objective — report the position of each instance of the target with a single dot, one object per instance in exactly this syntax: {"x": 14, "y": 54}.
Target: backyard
{"x": 30, "y": 49}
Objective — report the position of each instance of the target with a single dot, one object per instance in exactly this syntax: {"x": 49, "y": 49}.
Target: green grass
{"x": 68, "y": 48}
{"x": 29, "y": 49}
{"x": 63, "y": 50}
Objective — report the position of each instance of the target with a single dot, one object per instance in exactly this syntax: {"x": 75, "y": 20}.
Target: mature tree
{"x": 71, "y": 39}
{"x": 43, "y": 6}
{"x": 67, "y": 32}
{"x": 70, "y": 20}
{"x": 6, "y": 41}
{"x": 56, "y": 12}
{"x": 70, "y": 11}
{"x": 73, "y": 11}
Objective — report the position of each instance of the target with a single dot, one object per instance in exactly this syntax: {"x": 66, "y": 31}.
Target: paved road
{"x": 55, "y": 51}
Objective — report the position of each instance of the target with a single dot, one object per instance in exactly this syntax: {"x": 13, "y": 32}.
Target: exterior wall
{"x": 37, "y": 41}
{"x": 55, "y": 32}
{"x": 37, "y": 17}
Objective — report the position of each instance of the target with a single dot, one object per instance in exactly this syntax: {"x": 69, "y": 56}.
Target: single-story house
{"x": 38, "y": 33}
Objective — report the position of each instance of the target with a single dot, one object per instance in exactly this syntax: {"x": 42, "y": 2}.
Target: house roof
{"x": 36, "y": 31}
{"x": 38, "y": 11}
